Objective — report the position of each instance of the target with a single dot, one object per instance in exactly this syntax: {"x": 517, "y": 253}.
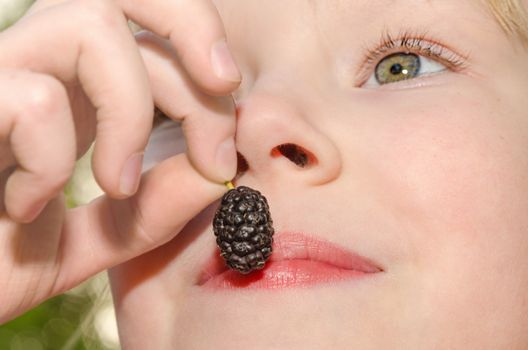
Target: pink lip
{"x": 298, "y": 260}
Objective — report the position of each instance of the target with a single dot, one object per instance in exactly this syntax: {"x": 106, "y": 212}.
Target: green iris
{"x": 397, "y": 67}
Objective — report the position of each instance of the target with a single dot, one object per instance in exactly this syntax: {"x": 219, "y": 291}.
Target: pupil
{"x": 396, "y": 68}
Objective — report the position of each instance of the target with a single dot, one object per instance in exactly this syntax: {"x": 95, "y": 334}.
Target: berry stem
{"x": 229, "y": 185}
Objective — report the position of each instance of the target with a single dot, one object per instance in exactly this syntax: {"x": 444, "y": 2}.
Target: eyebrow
{"x": 366, "y": 3}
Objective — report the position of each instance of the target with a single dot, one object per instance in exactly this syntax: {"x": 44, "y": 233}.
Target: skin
{"x": 63, "y": 87}
{"x": 425, "y": 177}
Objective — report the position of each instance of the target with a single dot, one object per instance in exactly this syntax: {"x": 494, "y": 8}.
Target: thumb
{"x": 108, "y": 232}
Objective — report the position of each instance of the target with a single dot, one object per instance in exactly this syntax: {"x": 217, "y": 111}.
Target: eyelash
{"x": 409, "y": 41}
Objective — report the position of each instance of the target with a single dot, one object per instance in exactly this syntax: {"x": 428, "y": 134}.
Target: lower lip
{"x": 285, "y": 274}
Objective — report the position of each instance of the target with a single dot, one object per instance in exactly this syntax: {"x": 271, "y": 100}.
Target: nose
{"x": 280, "y": 141}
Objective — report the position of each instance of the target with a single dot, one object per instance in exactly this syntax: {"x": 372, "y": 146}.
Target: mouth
{"x": 298, "y": 261}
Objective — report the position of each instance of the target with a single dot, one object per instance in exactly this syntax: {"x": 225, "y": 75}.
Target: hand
{"x": 71, "y": 72}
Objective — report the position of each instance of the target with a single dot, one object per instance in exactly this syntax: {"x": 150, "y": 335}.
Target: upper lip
{"x": 301, "y": 246}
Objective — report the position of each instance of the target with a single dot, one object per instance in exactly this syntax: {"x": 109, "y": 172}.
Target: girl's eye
{"x": 402, "y": 66}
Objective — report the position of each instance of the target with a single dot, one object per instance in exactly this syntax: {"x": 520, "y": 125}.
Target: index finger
{"x": 195, "y": 29}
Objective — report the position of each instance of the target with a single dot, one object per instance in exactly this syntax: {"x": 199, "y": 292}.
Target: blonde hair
{"x": 512, "y": 16}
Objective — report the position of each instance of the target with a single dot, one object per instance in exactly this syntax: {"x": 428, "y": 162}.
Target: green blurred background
{"x": 82, "y": 318}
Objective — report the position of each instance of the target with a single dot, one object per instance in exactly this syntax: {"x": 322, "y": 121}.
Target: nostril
{"x": 242, "y": 164}
{"x": 294, "y": 153}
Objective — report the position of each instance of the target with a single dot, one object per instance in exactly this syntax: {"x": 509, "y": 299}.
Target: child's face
{"x": 425, "y": 177}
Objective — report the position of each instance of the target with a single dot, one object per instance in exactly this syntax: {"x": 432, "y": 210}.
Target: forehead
{"x": 401, "y": 9}
{"x": 358, "y": 19}
{"x": 365, "y": 4}
{"x": 354, "y": 13}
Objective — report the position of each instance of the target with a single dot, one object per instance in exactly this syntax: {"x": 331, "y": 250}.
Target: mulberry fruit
{"x": 244, "y": 229}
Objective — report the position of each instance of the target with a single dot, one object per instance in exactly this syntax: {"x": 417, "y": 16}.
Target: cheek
{"x": 454, "y": 160}
{"x": 460, "y": 164}
{"x": 456, "y": 168}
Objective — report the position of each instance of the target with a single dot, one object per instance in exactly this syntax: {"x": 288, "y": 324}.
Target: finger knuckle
{"x": 57, "y": 177}
{"x": 44, "y": 96}
{"x": 53, "y": 176}
{"x": 100, "y": 14}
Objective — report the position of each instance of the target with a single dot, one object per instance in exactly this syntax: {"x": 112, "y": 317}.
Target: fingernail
{"x": 226, "y": 159}
{"x": 131, "y": 174}
{"x": 223, "y": 64}
{"x": 36, "y": 210}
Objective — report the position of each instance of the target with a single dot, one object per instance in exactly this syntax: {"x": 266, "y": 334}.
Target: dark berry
{"x": 244, "y": 229}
